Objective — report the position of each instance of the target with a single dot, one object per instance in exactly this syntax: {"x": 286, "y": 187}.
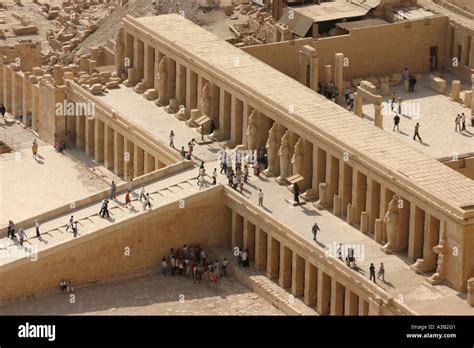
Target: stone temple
{"x": 257, "y": 82}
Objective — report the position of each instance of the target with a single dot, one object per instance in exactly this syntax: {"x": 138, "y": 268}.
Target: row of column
{"x": 305, "y": 279}
{"x": 109, "y": 146}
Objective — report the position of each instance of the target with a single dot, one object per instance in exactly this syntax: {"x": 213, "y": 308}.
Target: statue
{"x": 440, "y": 249}
{"x": 120, "y": 55}
{"x": 272, "y": 148}
{"x": 298, "y": 155}
{"x": 251, "y": 132}
{"x": 205, "y": 102}
{"x": 391, "y": 223}
{"x": 162, "y": 81}
{"x": 284, "y": 153}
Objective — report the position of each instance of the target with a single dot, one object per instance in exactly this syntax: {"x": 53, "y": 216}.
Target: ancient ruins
{"x": 256, "y": 80}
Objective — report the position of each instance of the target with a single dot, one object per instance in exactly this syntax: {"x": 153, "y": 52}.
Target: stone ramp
{"x": 54, "y": 231}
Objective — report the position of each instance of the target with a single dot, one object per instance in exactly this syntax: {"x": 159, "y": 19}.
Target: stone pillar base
{"x": 389, "y": 249}
{"x": 182, "y": 114}
{"x": 336, "y": 205}
{"x": 282, "y": 181}
{"x": 150, "y": 94}
{"x": 139, "y": 88}
{"x": 127, "y": 83}
{"x": 227, "y": 144}
{"x": 350, "y": 214}
{"x": 435, "y": 279}
{"x": 195, "y": 114}
{"x": 309, "y": 195}
{"x": 378, "y": 230}
{"x": 364, "y": 222}
{"x": 323, "y": 200}
{"x": 421, "y": 266}
{"x": 173, "y": 106}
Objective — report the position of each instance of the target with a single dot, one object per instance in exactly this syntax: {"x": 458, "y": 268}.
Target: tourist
{"x": 127, "y": 198}
{"x": 394, "y": 98}
{"x": 405, "y": 74}
{"x": 463, "y": 121}
{"x": 173, "y": 265}
{"x": 315, "y": 230}
{"x": 381, "y": 272}
{"x": 245, "y": 258}
{"x": 74, "y": 229}
{"x": 260, "y": 198}
{"x": 104, "y": 209}
{"x": 2, "y": 111}
{"x": 191, "y": 147}
{"x": 21, "y": 235}
{"x": 411, "y": 84}
{"x": 400, "y": 105}
{"x": 69, "y": 288}
{"x": 71, "y": 219}
{"x": 335, "y": 95}
{"x": 63, "y": 285}
{"x": 11, "y": 230}
{"x": 223, "y": 161}
{"x": 257, "y": 169}
{"x": 296, "y": 193}
{"x": 396, "y": 123}
{"x": 372, "y": 272}
{"x": 457, "y": 123}
{"x": 234, "y": 182}
{"x": 225, "y": 263}
{"x": 347, "y": 261}
{"x": 146, "y": 202}
{"x": 353, "y": 265}
{"x": 347, "y": 93}
{"x": 113, "y": 190}
{"x": 172, "y": 139}
{"x": 142, "y": 193}
{"x": 164, "y": 266}
{"x": 339, "y": 251}
{"x": 417, "y": 127}
{"x": 214, "y": 177}
{"x": 37, "y": 228}
{"x": 216, "y": 266}
{"x": 183, "y": 152}
{"x": 34, "y": 149}
{"x": 129, "y": 182}
{"x": 201, "y": 182}
{"x": 246, "y": 173}
{"x": 203, "y": 257}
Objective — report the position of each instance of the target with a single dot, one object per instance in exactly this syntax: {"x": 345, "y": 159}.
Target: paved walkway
{"x": 150, "y": 295}
{"x": 435, "y": 113}
{"x": 30, "y": 187}
{"x": 400, "y": 280}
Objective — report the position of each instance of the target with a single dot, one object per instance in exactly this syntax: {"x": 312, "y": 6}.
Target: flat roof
{"x": 364, "y": 23}
{"x": 397, "y": 159}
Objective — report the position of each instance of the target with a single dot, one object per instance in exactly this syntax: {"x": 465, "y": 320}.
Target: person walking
{"x": 246, "y": 173}
{"x": 127, "y": 198}
{"x": 457, "y": 123}
{"x": 21, "y": 235}
{"x": 396, "y": 123}
{"x": 296, "y": 193}
{"x": 381, "y": 272}
{"x": 400, "y": 105}
{"x": 142, "y": 193}
{"x": 74, "y": 229}
{"x": 102, "y": 207}
{"x": 463, "y": 121}
{"x": 106, "y": 209}
{"x": 214, "y": 177}
{"x": 201, "y": 182}
{"x": 146, "y": 202}
{"x": 225, "y": 263}
{"x": 417, "y": 127}
{"x": 260, "y": 198}
{"x": 183, "y": 152}
{"x": 113, "y": 190}
{"x": 172, "y": 139}
{"x": 315, "y": 230}
{"x": 37, "y": 228}
{"x": 11, "y": 229}
{"x": 394, "y": 98}
{"x": 69, "y": 225}
{"x": 34, "y": 149}
{"x": 372, "y": 272}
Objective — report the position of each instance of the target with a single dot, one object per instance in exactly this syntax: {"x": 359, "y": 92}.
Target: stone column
{"x": 285, "y": 266}
{"x": 16, "y": 92}
{"x": 99, "y": 140}
{"x": 120, "y": 51}
{"x": 109, "y": 147}
{"x": 249, "y": 239}
{"x": 236, "y": 122}
{"x": 312, "y": 190}
{"x": 260, "y": 249}
{"x": 378, "y": 118}
{"x": 339, "y": 75}
{"x": 80, "y": 132}
{"x": 337, "y": 298}
{"x": 358, "y": 104}
{"x": 416, "y": 231}
{"x": 324, "y": 290}
{"x": 314, "y": 76}
{"x": 303, "y": 68}
{"x": 171, "y": 80}
{"x": 273, "y": 252}
{"x": 128, "y": 157}
{"x": 327, "y": 73}
{"x": 237, "y": 230}
{"x": 430, "y": 240}
{"x": 181, "y": 83}
{"x": 118, "y": 154}
{"x": 310, "y": 284}
{"x": 138, "y": 161}
{"x": 297, "y": 275}
{"x": 149, "y": 163}
{"x": 351, "y": 306}
{"x": 89, "y": 130}
{"x": 138, "y": 59}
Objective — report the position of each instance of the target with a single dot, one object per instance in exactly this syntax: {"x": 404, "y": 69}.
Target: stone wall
{"x": 393, "y": 50}
{"x": 464, "y": 166}
{"x": 103, "y": 254}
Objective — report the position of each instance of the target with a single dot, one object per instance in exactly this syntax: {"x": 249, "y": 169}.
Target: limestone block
{"x": 468, "y": 98}
{"x": 29, "y": 29}
{"x": 470, "y": 292}
{"x": 384, "y": 89}
{"x": 93, "y": 81}
{"x": 438, "y": 84}
{"x": 150, "y": 94}
{"x": 384, "y": 79}
{"x": 396, "y": 78}
{"x": 96, "y": 89}
{"x": 112, "y": 84}
{"x": 228, "y": 10}
{"x": 373, "y": 80}
{"x": 456, "y": 90}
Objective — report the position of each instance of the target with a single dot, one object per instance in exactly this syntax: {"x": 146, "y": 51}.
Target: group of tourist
{"x": 460, "y": 122}
{"x": 192, "y": 262}
{"x": 66, "y": 286}
{"x": 330, "y": 90}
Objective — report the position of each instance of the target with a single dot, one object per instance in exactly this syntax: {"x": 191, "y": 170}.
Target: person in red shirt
{"x": 127, "y": 198}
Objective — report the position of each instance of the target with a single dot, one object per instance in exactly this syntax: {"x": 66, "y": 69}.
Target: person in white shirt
{"x": 164, "y": 266}
{"x": 260, "y": 198}
{"x": 201, "y": 182}
{"x": 172, "y": 139}
{"x": 142, "y": 193}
